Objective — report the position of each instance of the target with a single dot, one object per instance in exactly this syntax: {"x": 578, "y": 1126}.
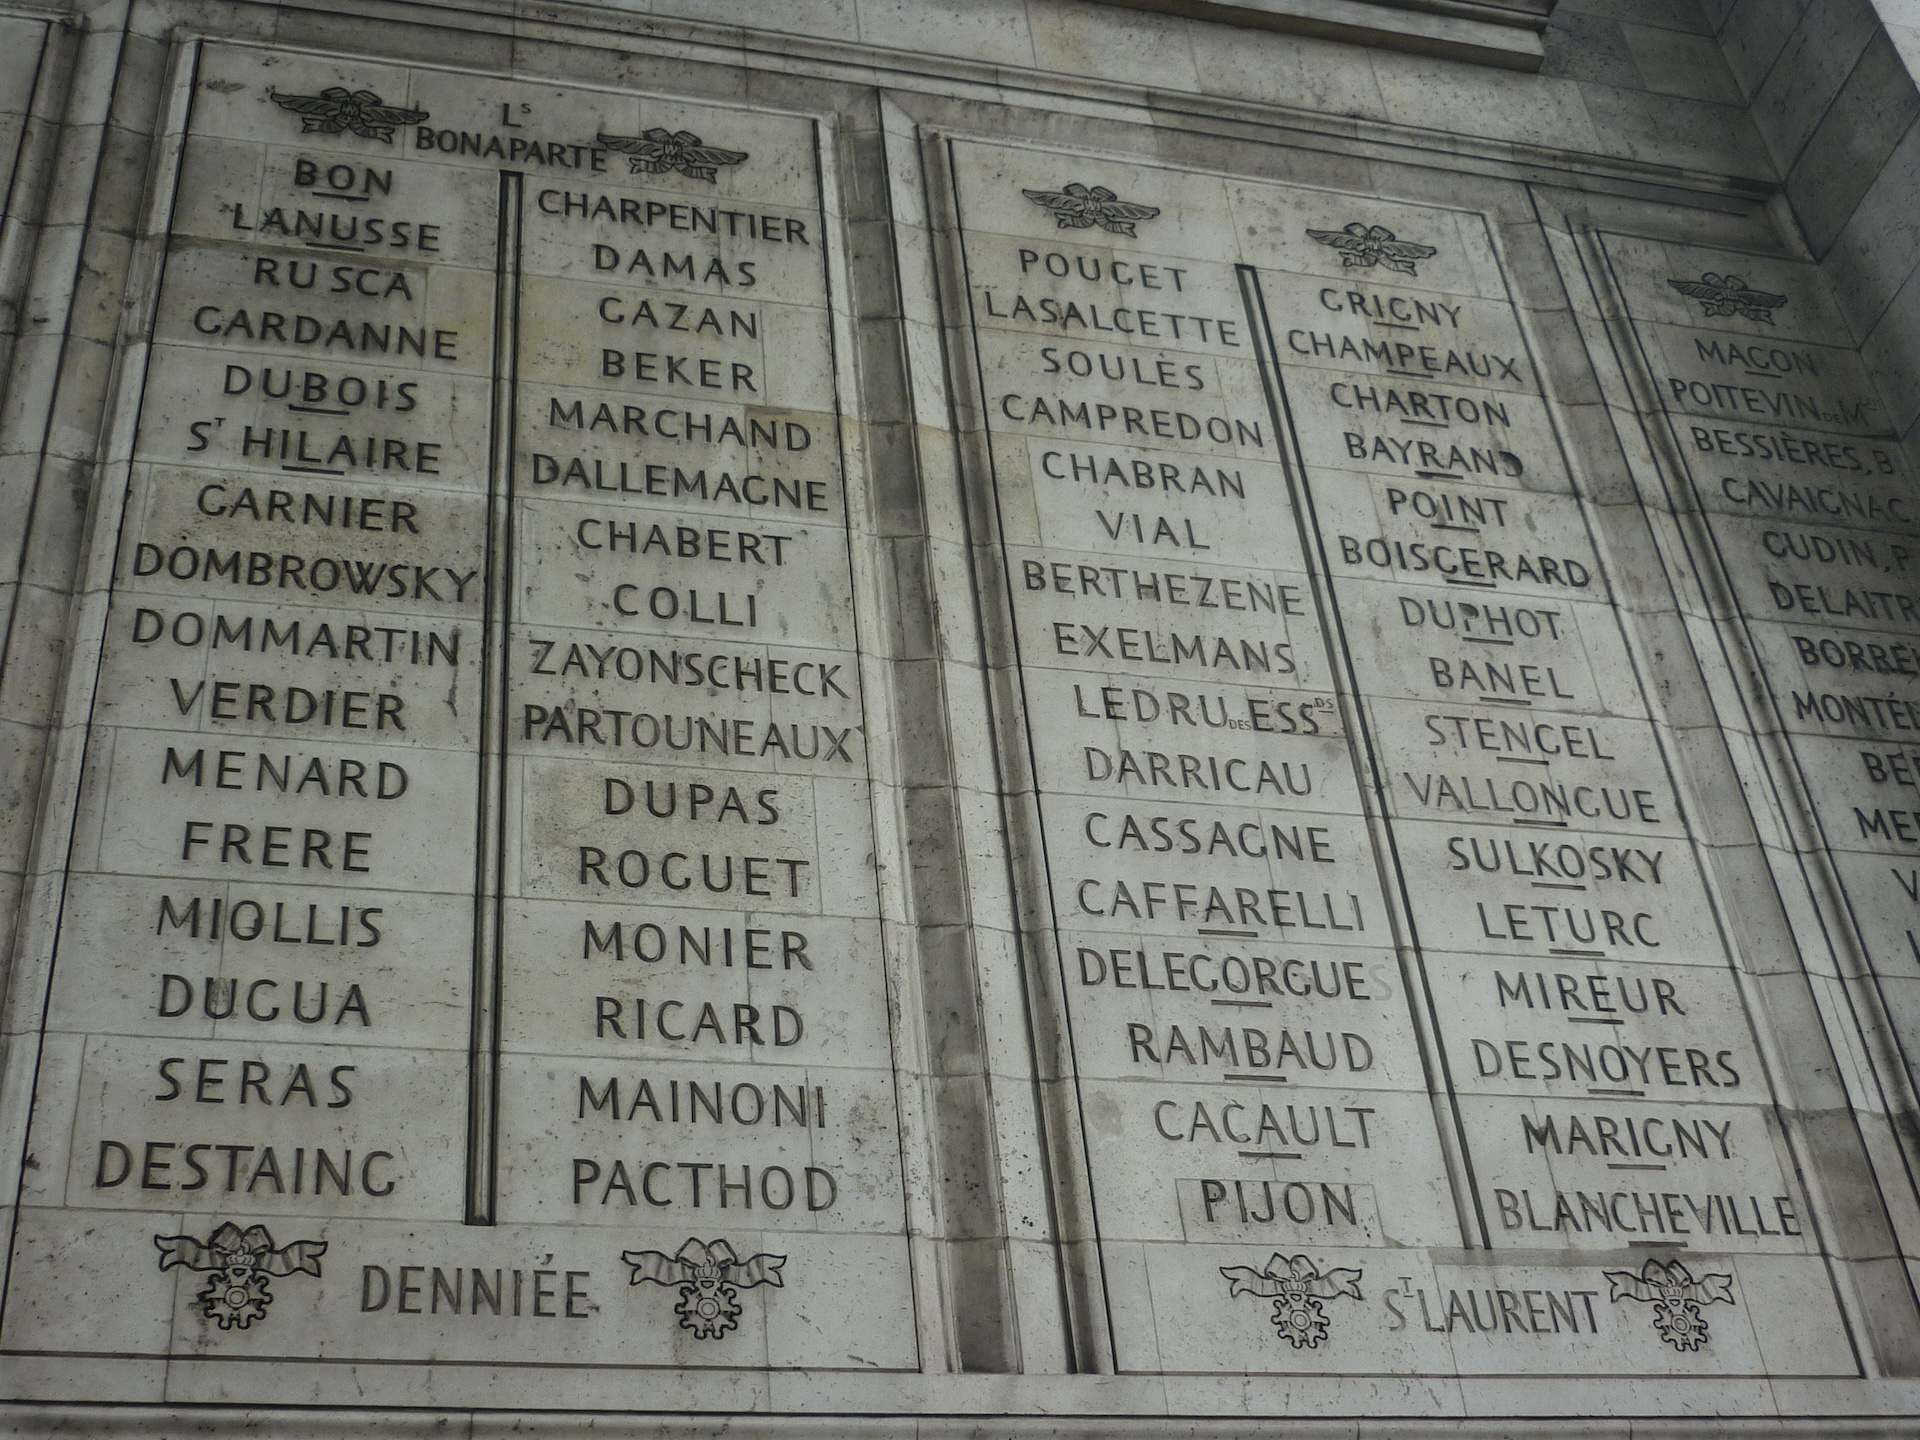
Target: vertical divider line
{"x": 1072, "y": 1201}
{"x": 1449, "y": 1123}
{"x": 489, "y": 874}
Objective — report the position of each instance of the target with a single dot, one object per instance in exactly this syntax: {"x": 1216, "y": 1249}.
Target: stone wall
{"x": 1027, "y": 717}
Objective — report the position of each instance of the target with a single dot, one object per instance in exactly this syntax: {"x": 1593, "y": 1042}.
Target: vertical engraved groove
{"x": 1433, "y": 1059}
{"x": 483, "y": 1052}
{"x": 1074, "y": 1219}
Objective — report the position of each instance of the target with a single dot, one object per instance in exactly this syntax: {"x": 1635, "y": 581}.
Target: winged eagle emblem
{"x": 710, "y": 1277}
{"x": 1365, "y": 246}
{"x": 1079, "y": 207}
{"x": 1730, "y": 295}
{"x": 1677, "y": 1295}
{"x": 1296, "y": 1286}
{"x": 337, "y": 108}
{"x": 659, "y": 150}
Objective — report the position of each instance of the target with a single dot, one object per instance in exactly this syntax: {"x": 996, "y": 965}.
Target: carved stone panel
{"x": 1780, "y": 440}
{"x": 472, "y": 951}
{"x": 757, "y": 730}
{"x": 1325, "y": 683}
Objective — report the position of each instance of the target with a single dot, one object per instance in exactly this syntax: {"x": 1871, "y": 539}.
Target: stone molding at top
{"x": 1505, "y": 33}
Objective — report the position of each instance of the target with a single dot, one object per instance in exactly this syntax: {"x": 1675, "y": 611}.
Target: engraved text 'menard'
{"x": 310, "y": 661}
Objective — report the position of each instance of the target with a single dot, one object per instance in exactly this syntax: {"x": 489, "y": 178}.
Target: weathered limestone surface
{"x": 880, "y": 718}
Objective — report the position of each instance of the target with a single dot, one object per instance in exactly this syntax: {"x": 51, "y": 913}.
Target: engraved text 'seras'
{"x": 479, "y": 765}
{"x": 1105, "y": 719}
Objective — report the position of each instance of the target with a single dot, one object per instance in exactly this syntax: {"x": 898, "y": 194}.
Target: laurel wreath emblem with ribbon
{"x": 1677, "y": 1296}
{"x": 238, "y": 1264}
{"x": 709, "y": 1277}
{"x": 1296, "y": 1286}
